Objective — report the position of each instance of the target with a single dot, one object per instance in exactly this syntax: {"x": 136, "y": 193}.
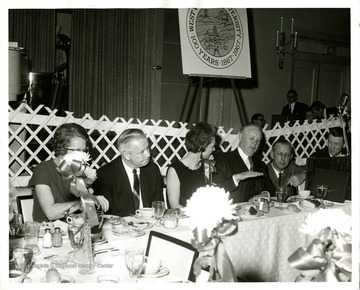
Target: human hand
{"x": 296, "y": 179}
{"x": 247, "y": 174}
{"x": 103, "y": 203}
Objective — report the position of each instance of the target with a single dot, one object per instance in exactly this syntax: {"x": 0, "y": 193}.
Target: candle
{"x": 292, "y": 26}
{"x": 277, "y": 39}
{"x": 281, "y": 24}
{"x": 295, "y": 40}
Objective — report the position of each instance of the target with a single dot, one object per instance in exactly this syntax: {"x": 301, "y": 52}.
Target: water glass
{"x": 75, "y": 236}
{"x": 159, "y": 210}
{"x": 134, "y": 260}
{"x": 23, "y": 257}
{"x": 321, "y": 192}
{"x": 31, "y": 235}
{"x": 281, "y": 195}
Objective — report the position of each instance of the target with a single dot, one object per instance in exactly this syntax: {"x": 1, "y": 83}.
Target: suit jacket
{"x": 298, "y": 112}
{"x": 292, "y": 169}
{"x": 230, "y": 163}
{"x": 113, "y": 182}
{"x": 321, "y": 153}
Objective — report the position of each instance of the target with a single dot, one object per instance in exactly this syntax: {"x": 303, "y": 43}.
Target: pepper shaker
{"x": 57, "y": 240}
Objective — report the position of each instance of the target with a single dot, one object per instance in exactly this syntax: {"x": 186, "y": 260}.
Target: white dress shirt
{"x": 129, "y": 172}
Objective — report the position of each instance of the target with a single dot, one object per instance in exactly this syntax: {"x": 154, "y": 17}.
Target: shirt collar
{"x": 276, "y": 171}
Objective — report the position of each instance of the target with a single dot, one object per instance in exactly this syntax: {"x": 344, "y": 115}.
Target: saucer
{"x": 300, "y": 197}
{"x": 64, "y": 279}
{"x": 128, "y": 233}
{"x": 162, "y": 272}
{"x": 144, "y": 219}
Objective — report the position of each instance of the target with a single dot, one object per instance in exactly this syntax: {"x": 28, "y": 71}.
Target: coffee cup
{"x": 75, "y": 219}
{"x": 304, "y": 193}
{"x": 16, "y": 276}
{"x": 152, "y": 265}
{"x": 145, "y": 212}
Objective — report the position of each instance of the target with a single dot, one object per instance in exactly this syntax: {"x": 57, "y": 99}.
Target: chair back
{"x": 178, "y": 256}
{"x": 335, "y": 172}
{"x": 25, "y": 206}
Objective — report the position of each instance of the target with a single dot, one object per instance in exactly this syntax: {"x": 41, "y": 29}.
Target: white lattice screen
{"x": 30, "y": 133}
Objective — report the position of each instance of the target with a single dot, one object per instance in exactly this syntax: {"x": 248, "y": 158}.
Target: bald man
{"x": 239, "y": 173}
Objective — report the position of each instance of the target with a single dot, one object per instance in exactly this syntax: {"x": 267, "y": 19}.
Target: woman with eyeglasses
{"x": 52, "y": 197}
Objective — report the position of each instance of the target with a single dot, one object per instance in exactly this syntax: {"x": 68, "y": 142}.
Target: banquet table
{"x": 258, "y": 250}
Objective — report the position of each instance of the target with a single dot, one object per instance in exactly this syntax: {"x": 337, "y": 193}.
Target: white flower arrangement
{"x": 208, "y": 207}
{"x": 84, "y": 158}
{"x": 76, "y": 155}
{"x": 338, "y": 220}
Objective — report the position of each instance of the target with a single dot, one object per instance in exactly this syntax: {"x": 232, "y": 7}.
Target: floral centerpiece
{"x": 328, "y": 257}
{"x": 212, "y": 217}
{"x": 75, "y": 166}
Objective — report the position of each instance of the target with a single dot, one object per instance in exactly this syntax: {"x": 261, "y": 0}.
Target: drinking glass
{"x": 31, "y": 235}
{"x": 134, "y": 260}
{"x": 76, "y": 237}
{"x": 159, "y": 210}
{"x": 23, "y": 257}
{"x": 281, "y": 195}
{"x": 321, "y": 192}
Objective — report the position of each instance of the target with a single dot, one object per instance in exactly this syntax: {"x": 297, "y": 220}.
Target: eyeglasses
{"x": 86, "y": 150}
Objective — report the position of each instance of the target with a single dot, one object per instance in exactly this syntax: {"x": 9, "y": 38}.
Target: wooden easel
{"x": 198, "y": 95}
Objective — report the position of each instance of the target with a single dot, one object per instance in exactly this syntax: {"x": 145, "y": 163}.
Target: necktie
{"x": 136, "y": 185}
{"x": 279, "y": 178}
{"x": 251, "y": 163}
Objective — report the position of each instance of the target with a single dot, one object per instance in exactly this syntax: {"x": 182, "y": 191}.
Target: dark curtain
{"x": 34, "y": 30}
{"x": 110, "y": 62}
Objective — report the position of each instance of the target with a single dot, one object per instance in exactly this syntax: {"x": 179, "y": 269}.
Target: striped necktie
{"x": 251, "y": 163}
{"x": 136, "y": 187}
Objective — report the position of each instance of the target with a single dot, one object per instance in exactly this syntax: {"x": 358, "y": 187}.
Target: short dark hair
{"x": 336, "y": 132}
{"x": 200, "y": 136}
{"x": 283, "y": 141}
{"x": 64, "y": 133}
{"x": 256, "y": 116}
{"x": 292, "y": 92}
{"x": 317, "y": 105}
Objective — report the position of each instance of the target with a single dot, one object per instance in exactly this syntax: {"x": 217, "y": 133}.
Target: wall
{"x": 266, "y": 91}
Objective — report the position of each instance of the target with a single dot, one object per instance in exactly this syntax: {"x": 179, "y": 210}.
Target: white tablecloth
{"x": 258, "y": 251}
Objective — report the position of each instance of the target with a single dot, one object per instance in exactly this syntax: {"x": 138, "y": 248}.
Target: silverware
{"x": 49, "y": 257}
{"x": 104, "y": 251}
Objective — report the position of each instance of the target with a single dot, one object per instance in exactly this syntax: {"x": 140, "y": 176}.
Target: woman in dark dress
{"x": 186, "y": 175}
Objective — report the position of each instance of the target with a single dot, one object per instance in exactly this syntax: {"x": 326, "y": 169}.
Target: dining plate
{"x": 64, "y": 279}
{"x": 113, "y": 219}
{"x": 128, "y": 232}
{"x": 162, "y": 272}
{"x": 144, "y": 219}
{"x": 59, "y": 260}
{"x": 138, "y": 225}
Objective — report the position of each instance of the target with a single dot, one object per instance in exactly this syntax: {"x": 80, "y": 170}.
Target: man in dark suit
{"x": 321, "y": 112}
{"x": 282, "y": 169}
{"x": 294, "y": 110}
{"x": 335, "y": 145}
{"x": 131, "y": 180}
{"x": 237, "y": 172}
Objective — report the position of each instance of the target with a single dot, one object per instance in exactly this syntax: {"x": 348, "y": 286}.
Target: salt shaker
{"x": 57, "y": 240}
{"x": 47, "y": 239}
